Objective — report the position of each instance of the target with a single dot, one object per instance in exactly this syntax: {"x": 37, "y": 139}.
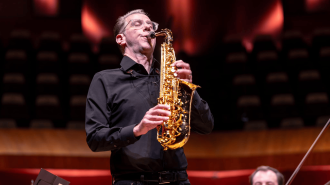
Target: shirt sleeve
{"x": 100, "y": 136}
{"x": 202, "y": 120}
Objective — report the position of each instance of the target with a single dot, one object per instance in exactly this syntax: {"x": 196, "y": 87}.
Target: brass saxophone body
{"x": 176, "y": 93}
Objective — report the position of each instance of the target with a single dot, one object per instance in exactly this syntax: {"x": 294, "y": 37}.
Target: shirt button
{"x": 127, "y": 141}
{"x": 114, "y": 145}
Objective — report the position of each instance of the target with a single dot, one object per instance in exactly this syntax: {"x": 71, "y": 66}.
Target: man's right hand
{"x": 155, "y": 116}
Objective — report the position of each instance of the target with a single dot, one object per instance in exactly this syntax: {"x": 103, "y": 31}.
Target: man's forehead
{"x": 265, "y": 175}
{"x": 137, "y": 16}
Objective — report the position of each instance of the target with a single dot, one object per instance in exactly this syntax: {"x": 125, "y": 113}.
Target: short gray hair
{"x": 280, "y": 177}
{"x": 121, "y": 22}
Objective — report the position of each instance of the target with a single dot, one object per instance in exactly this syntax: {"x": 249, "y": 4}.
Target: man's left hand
{"x": 183, "y": 71}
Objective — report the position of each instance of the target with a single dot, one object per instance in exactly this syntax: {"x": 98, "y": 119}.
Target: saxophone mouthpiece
{"x": 152, "y": 34}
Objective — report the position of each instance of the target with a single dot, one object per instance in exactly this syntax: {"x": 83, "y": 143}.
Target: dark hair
{"x": 121, "y": 22}
{"x": 280, "y": 177}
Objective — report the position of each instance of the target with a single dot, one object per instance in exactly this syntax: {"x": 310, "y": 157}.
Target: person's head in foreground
{"x": 265, "y": 175}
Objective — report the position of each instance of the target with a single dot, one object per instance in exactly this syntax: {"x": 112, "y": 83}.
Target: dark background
{"x": 203, "y": 31}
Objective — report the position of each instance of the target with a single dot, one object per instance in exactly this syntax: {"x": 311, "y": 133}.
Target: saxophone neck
{"x": 167, "y": 33}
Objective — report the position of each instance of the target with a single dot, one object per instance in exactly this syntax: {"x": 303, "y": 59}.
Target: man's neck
{"x": 142, "y": 59}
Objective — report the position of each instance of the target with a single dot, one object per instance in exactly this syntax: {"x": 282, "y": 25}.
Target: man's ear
{"x": 121, "y": 40}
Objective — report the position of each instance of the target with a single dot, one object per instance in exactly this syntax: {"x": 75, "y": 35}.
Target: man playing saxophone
{"x": 122, "y": 111}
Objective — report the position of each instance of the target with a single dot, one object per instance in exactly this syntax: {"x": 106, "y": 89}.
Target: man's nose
{"x": 147, "y": 27}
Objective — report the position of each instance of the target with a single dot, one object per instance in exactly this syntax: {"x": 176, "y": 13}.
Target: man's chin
{"x": 148, "y": 49}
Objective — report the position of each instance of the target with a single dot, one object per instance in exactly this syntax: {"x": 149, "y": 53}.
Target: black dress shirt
{"x": 117, "y": 101}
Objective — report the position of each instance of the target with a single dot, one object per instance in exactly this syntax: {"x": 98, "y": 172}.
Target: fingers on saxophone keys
{"x": 153, "y": 124}
{"x": 161, "y": 112}
{"x": 183, "y": 73}
{"x": 158, "y": 118}
{"x": 187, "y": 80}
{"x": 162, "y": 106}
{"x": 181, "y": 64}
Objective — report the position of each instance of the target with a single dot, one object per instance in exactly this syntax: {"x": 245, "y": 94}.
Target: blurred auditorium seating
{"x": 49, "y": 107}
{"x": 47, "y": 77}
{"x": 79, "y": 63}
{"x": 276, "y": 83}
{"x": 233, "y": 44}
{"x": 50, "y": 41}
{"x": 14, "y": 106}
{"x": 48, "y": 83}
{"x": 293, "y": 39}
{"x": 282, "y": 106}
{"x": 79, "y": 84}
{"x": 236, "y": 63}
{"x": 316, "y": 105}
{"x": 108, "y": 61}
{"x": 255, "y": 125}
{"x": 321, "y": 38}
{"x": 249, "y": 109}
{"x": 310, "y": 81}
{"x": 41, "y": 124}
{"x": 267, "y": 61}
{"x": 298, "y": 59}
{"x": 20, "y": 39}
{"x": 16, "y": 61}
{"x": 80, "y": 44}
{"x": 47, "y": 61}
{"x": 263, "y": 43}
{"x": 7, "y": 123}
{"x": 77, "y": 107}
{"x": 294, "y": 122}
{"x": 322, "y": 120}
{"x": 244, "y": 85}
{"x": 14, "y": 82}
{"x": 77, "y": 125}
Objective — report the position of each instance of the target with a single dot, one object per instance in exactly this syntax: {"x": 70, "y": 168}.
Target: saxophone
{"x": 176, "y": 93}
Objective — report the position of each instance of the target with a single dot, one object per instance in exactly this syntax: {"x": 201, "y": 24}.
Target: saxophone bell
{"x": 175, "y": 132}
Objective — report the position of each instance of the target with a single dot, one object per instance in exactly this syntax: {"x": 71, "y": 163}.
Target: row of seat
{"x": 42, "y": 124}
{"x": 270, "y": 61}
{"x": 232, "y": 43}
{"x": 46, "y": 83}
{"x": 52, "y": 41}
{"x": 291, "y": 39}
{"x": 50, "y": 61}
{"x": 15, "y": 106}
{"x": 283, "y": 105}
{"x": 235, "y": 63}
{"x": 286, "y": 123}
{"x": 306, "y": 81}
{"x": 50, "y": 83}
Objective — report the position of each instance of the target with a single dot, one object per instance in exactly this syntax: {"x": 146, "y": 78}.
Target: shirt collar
{"x": 127, "y": 63}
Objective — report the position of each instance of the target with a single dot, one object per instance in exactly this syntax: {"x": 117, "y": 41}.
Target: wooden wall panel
{"x": 67, "y": 149}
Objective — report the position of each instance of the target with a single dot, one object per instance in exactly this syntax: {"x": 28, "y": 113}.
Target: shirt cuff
{"x": 127, "y": 134}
